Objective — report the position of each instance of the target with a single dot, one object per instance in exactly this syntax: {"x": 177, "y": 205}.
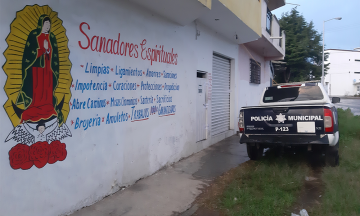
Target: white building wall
{"x": 342, "y": 72}
{"x": 102, "y": 159}
{"x": 250, "y": 93}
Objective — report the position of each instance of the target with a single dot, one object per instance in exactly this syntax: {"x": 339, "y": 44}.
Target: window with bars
{"x": 255, "y": 71}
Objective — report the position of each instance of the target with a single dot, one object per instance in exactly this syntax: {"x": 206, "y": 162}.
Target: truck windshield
{"x": 301, "y": 93}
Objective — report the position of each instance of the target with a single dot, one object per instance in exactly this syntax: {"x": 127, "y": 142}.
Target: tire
{"x": 332, "y": 155}
{"x": 254, "y": 152}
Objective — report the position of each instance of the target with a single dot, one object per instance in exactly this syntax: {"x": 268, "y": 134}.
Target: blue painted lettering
{"x": 147, "y": 86}
{"x": 172, "y": 87}
{"x": 124, "y": 86}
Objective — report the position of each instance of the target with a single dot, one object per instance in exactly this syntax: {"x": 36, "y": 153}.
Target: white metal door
{"x": 201, "y": 110}
{"x": 220, "y": 100}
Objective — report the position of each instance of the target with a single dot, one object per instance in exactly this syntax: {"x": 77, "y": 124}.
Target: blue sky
{"x": 343, "y": 34}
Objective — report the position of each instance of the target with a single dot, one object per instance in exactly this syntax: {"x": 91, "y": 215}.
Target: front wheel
{"x": 255, "y": 152}
{"x": 332, "y": 155}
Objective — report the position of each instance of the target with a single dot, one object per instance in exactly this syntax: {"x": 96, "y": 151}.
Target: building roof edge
{"x": 343, "y": 50}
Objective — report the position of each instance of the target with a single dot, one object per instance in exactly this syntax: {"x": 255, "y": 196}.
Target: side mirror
{"x": 335, "y": 100}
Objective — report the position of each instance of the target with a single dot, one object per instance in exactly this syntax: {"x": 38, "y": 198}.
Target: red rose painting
{"x": 57, "y": 151}
{"x": 19, "y": 157}
{"x": 39, "y": 153}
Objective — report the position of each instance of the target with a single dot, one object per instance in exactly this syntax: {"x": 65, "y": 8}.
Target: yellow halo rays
{"x": 25, "y": 21}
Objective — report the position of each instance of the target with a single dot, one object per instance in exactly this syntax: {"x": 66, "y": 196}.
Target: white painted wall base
{"x": 217, "y": 138}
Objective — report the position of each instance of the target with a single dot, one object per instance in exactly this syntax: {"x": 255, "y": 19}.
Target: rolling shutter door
{"x": 220, "y": 99}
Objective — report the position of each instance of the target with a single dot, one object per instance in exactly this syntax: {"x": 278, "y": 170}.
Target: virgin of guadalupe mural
{"x": 38, "y": 87}
{"x": 40, "y": 75}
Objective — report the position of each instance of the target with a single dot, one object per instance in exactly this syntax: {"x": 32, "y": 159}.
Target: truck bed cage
{"x": 294, "y": 83}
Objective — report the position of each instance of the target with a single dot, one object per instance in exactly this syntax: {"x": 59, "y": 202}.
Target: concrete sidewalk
{"x": 173, "y": 189}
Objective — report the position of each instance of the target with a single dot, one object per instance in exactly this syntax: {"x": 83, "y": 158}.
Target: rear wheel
{"x": 255, "y": 152}
{"x": 332, "y": 155}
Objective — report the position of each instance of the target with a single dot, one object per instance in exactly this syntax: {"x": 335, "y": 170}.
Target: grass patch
{"x": 342, "y": 183}
{"x": 267, "y": 187}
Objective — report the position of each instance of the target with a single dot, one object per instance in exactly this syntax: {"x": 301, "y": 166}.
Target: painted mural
{"x": 38, "y": 87}
{"x": 105, "y": 93}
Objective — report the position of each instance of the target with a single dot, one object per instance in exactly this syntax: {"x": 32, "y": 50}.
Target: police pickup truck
{"x": 295, "y": 114}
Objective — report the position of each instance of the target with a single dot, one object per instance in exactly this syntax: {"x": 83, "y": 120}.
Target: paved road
{"x": 353, "y": 104}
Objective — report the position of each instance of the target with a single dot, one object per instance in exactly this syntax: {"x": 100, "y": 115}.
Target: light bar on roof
{"x": 291, "y": 86}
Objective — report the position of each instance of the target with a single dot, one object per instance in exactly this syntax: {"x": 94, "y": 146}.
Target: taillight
{"x": 241, "y": 122}
{"x": 328, "y": 121}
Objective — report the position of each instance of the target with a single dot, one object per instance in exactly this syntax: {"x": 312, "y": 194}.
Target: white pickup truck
{"x": 295, "y": 114}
